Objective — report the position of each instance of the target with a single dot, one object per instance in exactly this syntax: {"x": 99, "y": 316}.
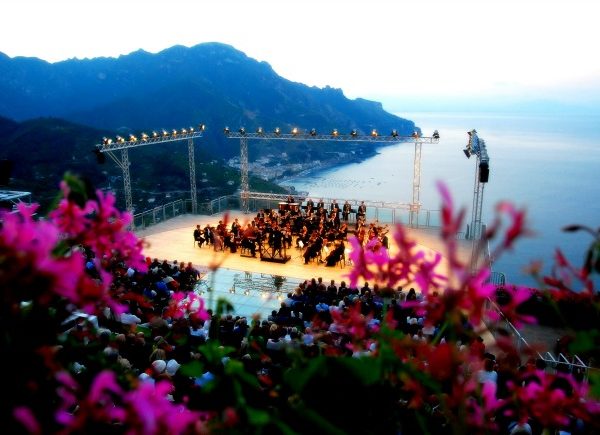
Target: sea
{"x": 548, "y": 165}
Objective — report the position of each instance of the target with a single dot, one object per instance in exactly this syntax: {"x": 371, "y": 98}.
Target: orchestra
{"x": 318, "y": 231}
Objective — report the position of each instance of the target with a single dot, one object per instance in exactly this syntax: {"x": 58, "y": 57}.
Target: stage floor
{"x": 173, "y": 240}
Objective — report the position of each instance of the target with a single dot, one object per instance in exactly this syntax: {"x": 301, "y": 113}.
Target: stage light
{"x": 394, "y": 133}
{"x": 242, "y": 131}
{"x": 313, "y": 132}
{"x": 260, "y": 131}
{"x": 183, "y": 131}
{"x": 226, "y": 130}
{"x": 174, "y": 133}
{"x": 334, "y": 133}
{"x": 105, "y": 141}
{"x": 120, "y": 139}
{"x": 295, "y": 131}
{"x": 132, "y": 138}
{"x": 277, "y": 131}
{"x": 246, "y": 292}
{"x": 191, "y": 129}
{"x": 154, "y": 134}
{"x": 165, "y": 133}
{"x": 436, "y": 135}
{"x": 374, "y": 133}
{"x": 144, "y": 137}
{"x": 354, "y": 133}
{"x": 415, "y": 134}
{"x": 467, "y": 152}
{"x": 202, "y": 127}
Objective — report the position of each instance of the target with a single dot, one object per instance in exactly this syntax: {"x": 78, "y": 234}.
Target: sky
{"x": 382, "y": 50}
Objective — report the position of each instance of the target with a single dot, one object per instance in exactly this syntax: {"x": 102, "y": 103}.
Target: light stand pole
{"x": 477, "y": 147}
{"x": 109, "y": 146}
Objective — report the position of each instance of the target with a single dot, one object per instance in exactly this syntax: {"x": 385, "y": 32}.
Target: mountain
{"x": 41, "y": 150}
{"x": 209, "y": 83}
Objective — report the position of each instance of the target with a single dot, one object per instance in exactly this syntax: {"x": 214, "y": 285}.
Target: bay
{"x": 547, "y": 164}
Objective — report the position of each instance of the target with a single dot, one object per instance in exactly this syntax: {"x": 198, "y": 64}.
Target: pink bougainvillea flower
{"x": 25, "y": 416}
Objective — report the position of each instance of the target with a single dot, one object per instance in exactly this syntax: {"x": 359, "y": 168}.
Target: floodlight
{"x": 374, "y": 133}
{"x": 277, "y": 131}
{"x": 354, "y": 133}
{"x": 295, "y": 131}
{"x": 334, "y": 132}
{"x": 260, "y": 130}
{"x": 394, "y": 133}
{"x": 226, "y": 130}
{"x": 313, "y": 132}
{"x": 242, "y": 131}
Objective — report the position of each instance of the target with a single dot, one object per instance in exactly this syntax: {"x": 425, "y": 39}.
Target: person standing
{"x": 362, "y": 210}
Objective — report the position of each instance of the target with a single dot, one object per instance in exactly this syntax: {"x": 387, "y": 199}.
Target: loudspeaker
{"x": 5, "y": 171}
{"x": 484, "y": 172}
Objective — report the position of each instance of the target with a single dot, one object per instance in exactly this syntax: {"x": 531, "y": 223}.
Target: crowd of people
{"x": 303, "y": 325}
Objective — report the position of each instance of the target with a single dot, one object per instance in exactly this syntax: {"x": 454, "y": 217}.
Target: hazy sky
{"x": 375, "y": 49}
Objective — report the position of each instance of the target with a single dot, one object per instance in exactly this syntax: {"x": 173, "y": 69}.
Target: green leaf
{"x": 365, "y": 370}
{"x": 584, "y": 342}
{"x": 192, "y": 369}
{"x": 297, "y": 378}
{"x": 594, "y": 379}
{"x": 257, "y": 417}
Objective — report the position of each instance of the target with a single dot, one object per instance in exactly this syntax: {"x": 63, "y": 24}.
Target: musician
{"x": 336, "y": 254}
{"x": 303, "y": 237}
{"x": 290, "y": 199}
{"x": 249, "y": 237}
{"x": 320, "y": 205}
{"x": 276, "y": 240}
{"x": 314, "y": 246}
{"x": 342, "y": 233}
{"x": 346, "y": 211}
{"x": 198, "y": 236}
{"x": 362, "y": 210}
{"x": 310, "y": 204}
{"x": 287, "y": 235}
{"x": 235, "y": 228}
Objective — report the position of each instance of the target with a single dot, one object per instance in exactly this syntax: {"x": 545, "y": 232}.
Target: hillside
{"x": 210, "y": 83}
{"x": 42, "y": 150}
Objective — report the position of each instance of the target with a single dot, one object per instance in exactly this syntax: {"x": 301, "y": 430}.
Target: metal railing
{"x": 572, "y": 363}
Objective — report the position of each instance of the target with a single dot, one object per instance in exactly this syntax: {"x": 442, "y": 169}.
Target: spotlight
{"x": 242, "y": 131}
{"x": 165, "y": 133}
{"x": 132, "y": 138}
{"x": 174, "y": 132}
{"x": 106, "y": 141}
{"x": 467, "y": 152}
{"x": 354, "y": 133}
{"x": 295, "y": 131}
{"x": 202, "y": 127}
{"x": 374, "y": 133}
{"x": 334, "y": 133}
{"x": 183, "y": 131}
{"x": 246, "y": 292}
{"x": 191, "y": 129}
{"x": 154, "y": 134}
{"x": 277, "y": 131}
{"x": 260, "y": 131}
{"x": 226, "y": 130}
{"x": 120, "y": 139}
{"x": 394, "y": 133}
{"x": 313, "y": 132}
{"x": 415, "y": 134}
{"x": 436, "y": 135}
{"x": 144, "y": 137}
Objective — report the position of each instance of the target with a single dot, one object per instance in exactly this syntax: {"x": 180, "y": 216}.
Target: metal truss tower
{"x": 334, "y": 136}
{"x": 477, "y": 147}
{"x": 109, "y": 147}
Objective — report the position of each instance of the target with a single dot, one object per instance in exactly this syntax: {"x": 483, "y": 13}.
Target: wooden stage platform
{"x": 173, "y": 240}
